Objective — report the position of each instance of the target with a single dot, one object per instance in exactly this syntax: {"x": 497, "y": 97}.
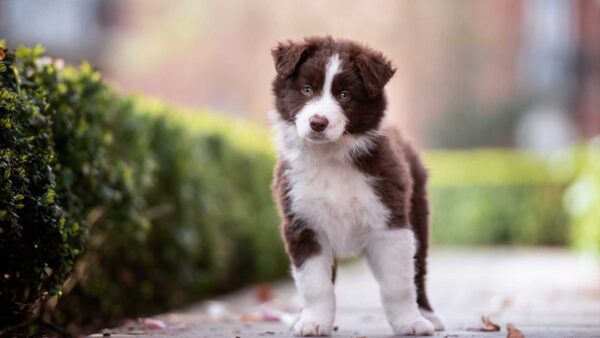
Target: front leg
{"x": 314, "y": 282}
{"x": 312, "y": 268}
{"x": 390, "y": 254}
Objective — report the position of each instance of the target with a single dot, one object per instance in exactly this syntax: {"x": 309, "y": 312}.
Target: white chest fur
{"x": 337, "y": 200}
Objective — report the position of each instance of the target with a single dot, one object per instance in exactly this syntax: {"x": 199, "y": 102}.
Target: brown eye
{"x": 344, "y": 96}
{"x": 307, "y": 90}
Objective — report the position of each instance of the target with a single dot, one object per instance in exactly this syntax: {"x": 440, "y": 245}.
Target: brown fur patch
{"x": 419, "y": 219}
{"x": 300, "y": 240}
{"x": 401, "y": 181}
{"x": 393, "y": 181}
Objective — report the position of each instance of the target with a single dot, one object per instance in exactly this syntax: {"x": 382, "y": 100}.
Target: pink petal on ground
{"x": 267, "y": 315}
{"x": 152, "y": 323}
{"x": 272, "y": 315}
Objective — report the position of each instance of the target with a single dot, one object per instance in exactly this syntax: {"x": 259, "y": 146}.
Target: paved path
{"x": 543, "y": 292}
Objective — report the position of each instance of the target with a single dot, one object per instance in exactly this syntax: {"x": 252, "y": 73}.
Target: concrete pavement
{"x": 543, "y": 292}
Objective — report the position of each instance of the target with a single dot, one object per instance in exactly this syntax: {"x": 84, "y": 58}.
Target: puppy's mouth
{"x": 317, "y": 137}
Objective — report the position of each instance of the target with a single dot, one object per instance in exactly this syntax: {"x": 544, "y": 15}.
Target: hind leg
{"x": 420, "y": 212}
{"x": 390, "y": 254}
{"x": 419, "y": 219}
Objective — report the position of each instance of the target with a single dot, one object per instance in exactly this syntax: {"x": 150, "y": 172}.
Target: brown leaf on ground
{"x": 264, "y": 293}
{"x": 513, "y": 332}
{"x": 488, "y": 326}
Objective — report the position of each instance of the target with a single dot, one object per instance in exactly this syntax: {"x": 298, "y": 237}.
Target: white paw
{"x": 305, "y": 328}
{"x": 436, "y": 320}
{"x": 418, "y": 326}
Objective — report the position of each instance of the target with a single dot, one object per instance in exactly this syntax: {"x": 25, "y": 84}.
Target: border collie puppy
{"x": 345, "y": 186}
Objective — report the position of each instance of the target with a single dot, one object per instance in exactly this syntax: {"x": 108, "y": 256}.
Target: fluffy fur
{"x": 345, "y": 186}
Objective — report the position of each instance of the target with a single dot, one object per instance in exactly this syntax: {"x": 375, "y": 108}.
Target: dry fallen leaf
{"x": 264, "y": 293}
{"x": 513, "y": 332}
{"x": 251, "y": 317}
{"x": 488, "y": 326}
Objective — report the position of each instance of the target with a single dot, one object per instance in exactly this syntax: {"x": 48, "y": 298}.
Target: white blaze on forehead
{"x": 333, "y": 67}
{"x": 324, "y": 105}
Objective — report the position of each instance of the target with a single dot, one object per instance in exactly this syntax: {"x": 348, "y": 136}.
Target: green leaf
{"x": 50, "y": 195}
{"x": 23, "y": 52}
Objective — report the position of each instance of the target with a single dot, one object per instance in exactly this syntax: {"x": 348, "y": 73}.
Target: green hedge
{"x": 209, "y": 222}
{"x": 494, "y": 196}
{"x": 500, "y": 214}
{"x": 39, "y": 236}
{"x": 54, "y": 171}
{"x": 507, "y": 197}
{"x": 172, "y": 205}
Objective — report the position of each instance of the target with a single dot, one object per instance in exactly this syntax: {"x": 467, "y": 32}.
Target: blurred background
{"x": 509, "y": 75}
{"x": 503, "y": 96}
{"x": 470, "y": 73}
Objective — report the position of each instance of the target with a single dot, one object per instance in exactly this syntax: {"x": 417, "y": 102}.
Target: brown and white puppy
{"x": 345, "y": 186}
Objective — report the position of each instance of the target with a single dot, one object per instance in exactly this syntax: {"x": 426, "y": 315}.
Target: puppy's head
{"x": 327, "y": 88}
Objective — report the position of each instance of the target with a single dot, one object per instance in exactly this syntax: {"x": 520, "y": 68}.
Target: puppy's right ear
{"x": 288, "y": 55}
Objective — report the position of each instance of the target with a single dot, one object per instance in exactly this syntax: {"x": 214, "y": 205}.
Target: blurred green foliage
{"x": 54, "y": 154}
{"x": 495, "y": 196}
{"x": 172, "y": 205}
{"x": 508, "y": 197}
{"x": 500, "y": 214}
{"x": 582, "y": 199}
{"x": 494, "y": 167}
{"x": 209, "y": 224}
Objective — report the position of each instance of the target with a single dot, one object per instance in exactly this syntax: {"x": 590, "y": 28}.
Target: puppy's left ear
{"x": 375, "y": 70}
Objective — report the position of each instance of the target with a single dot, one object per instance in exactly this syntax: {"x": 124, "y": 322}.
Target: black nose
{"x": 318, "y": 123}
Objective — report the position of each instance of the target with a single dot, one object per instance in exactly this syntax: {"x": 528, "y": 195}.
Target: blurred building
{"x": 72, "y": 30}
{"x": 470, "y": 73}
{"x": 586, "y": 101}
